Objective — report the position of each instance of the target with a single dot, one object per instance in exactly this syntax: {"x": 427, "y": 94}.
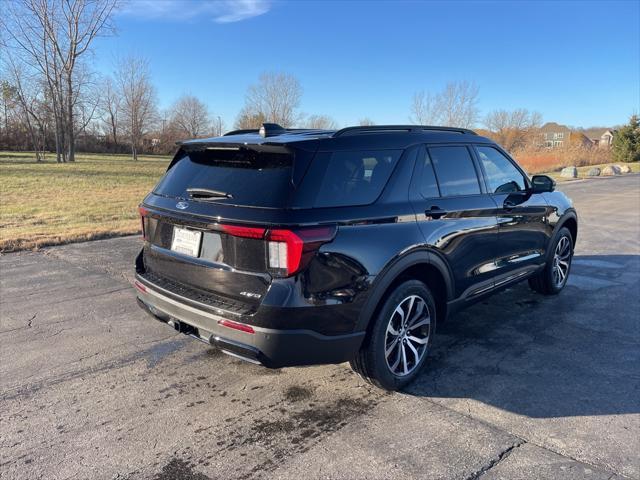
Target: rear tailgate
{"x": 206, "y": 241}
{"x": 233, "y": 268}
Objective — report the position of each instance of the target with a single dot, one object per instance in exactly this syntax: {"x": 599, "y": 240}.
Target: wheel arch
{"x": 423, "y": 265}
{"x": 570, "y": 221}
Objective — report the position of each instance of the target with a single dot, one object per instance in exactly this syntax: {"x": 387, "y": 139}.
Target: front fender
{"x": 568, "y": 215}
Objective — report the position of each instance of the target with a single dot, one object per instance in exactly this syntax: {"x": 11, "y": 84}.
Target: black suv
{"x": 294, "y": 247}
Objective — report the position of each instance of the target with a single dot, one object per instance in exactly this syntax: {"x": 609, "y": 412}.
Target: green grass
{"x": 582, "y": 171}
{"x": 50, "y": 203}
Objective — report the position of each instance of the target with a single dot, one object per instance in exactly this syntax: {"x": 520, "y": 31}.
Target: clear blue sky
{"x": 576, "y": 62}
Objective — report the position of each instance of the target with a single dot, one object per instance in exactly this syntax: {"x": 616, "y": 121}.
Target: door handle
{"x": 435, "y": 212}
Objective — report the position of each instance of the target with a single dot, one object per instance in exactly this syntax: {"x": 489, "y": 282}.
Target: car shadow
{"x": 573, "y": 354}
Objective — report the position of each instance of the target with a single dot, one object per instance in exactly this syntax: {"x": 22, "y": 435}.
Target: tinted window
{"x": 251, "y": 178}
{"x": 353, "y": 178}
{"x": 502, "y": 175}
{"x": 455, "y": 171}
{"x": 428, "y": 184}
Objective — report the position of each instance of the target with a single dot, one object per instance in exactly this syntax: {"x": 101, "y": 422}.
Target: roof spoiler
{"x": 231, "y": 145}
{"x": 266, "y": 130}
{"x": 241, "y": 131}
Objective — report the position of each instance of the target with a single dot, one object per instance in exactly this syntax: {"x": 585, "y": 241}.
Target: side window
{"x": 502, "y": 175}
{"x": 352, "y": 178}
{"x": 428, "y": 183}
{"x": 455, "y": 171}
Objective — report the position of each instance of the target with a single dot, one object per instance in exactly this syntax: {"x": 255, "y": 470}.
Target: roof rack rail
{"x": 408, "y": 128}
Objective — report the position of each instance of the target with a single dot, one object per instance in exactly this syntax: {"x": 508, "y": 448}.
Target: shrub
{"x": 540, "y": 159}
{"x": 626, "y": 142}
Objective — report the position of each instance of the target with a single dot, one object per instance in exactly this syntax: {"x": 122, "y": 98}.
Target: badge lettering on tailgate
{"x": 251, "y": 294}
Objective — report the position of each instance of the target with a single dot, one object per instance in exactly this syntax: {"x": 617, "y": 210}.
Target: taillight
{"x": 288, "y": 251}
{"x": 285, "y": 251}
{"x": 291, "y": 250}
{"x": 245, "y": 232}
{"x": 143, "y": 213}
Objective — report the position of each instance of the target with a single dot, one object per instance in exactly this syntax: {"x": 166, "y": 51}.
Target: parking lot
{"x": 519, "y": 386}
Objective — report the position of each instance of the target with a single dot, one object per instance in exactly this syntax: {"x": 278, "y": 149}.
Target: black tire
{"x": 546, "y": 282}
{"x": 371, "y": 361}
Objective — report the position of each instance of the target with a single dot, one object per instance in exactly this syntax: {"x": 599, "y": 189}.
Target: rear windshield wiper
{"x": 207, "y": 194}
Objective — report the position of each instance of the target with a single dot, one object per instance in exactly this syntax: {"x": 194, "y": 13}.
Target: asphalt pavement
{"x": 520, "y": 386}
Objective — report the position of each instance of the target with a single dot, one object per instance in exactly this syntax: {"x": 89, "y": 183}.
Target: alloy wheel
{"x": 561, "y": 262}
{"x": 407, "y": 335}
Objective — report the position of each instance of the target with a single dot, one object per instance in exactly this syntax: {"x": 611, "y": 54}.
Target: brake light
{"x": 143, "y": 213}
{"x": 245, "y": 232}
{"x": 291, "y": 250}
{"x": 288, "y": 251}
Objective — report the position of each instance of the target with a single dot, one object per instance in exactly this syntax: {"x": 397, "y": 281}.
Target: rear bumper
{"x": 273, "y": 348}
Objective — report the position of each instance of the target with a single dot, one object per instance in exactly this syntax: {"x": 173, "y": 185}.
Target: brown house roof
{"x": 553, "y": 127}
{"x": 596, "y": 133}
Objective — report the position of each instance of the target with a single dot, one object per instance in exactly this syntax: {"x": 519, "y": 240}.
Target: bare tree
{"x": 110, "y": 108}
{"x": 81, "y": 22}
{"x": 8, "y": 96}
{"x": 166, "y": 132}
{"x": 52, "y": 36}
{"x": 27, "y": 94}
{"x": 85, "y": 100}
{"x": 139, "y": 104}
{"x": 321, "y": 122}
{"x": 27, "y": 40}
{"x": 10, "y": 110}
{"x": 513, "y": 129}
{"x": 276, "y": 98}
{"x": 217, "y": 126}
{"x": 366, "y": 122}
{"x": 190, "y": 116}
{"x": 455, "y": 106}
{"x": 459, "y": 104}
{"x": 423, "y": 111}
{"x": 248, "y": 119}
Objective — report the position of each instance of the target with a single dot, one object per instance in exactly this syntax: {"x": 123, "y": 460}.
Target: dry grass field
{"x": 95, "y": 197}
{"x": 49, "y": 203}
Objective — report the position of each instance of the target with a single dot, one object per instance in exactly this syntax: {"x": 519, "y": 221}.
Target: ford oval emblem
{"x": 182, "y": 205}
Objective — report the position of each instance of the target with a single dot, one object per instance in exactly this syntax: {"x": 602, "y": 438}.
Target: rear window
{"x": 249, "y": 178}
{"x": 352, "y": 178}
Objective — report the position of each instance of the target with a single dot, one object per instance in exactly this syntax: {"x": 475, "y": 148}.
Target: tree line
{"x": 52, "y": 99}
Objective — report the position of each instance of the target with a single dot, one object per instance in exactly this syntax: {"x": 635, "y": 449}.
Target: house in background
{"x": 554, "y": 135}
{"x": 601, "y": 137}
{"x": 579, "y": 138}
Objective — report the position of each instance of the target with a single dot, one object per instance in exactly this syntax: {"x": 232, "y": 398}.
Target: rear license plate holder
{"x": 185, "y": 241}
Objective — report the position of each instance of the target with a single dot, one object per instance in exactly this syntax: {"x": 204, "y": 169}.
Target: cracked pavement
{"x": 520, "y": 386}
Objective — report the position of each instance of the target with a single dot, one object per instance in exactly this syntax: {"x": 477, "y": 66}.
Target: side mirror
{"x": 543, "y": 183}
